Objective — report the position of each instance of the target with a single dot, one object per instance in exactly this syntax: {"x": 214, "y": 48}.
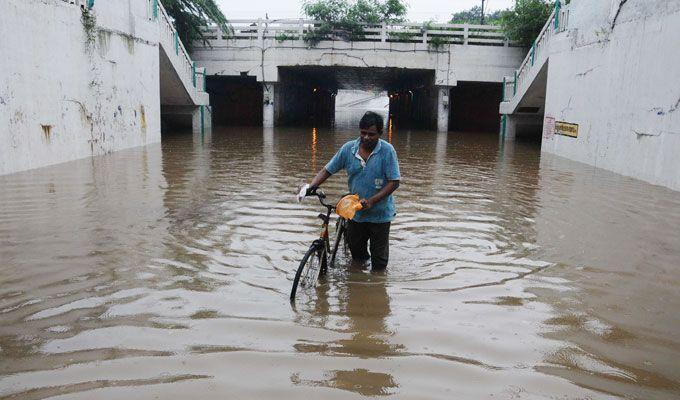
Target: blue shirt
{"x": 369, "y": 177}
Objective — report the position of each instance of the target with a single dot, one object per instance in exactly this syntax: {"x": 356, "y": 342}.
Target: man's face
{"x": 369, "y": 137}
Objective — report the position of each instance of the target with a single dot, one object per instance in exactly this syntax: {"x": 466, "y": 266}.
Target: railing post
{"x": 514, "y": 85}
{"x": 504, "y": 83}
{"x": 301, "y": 29}
{"x": 193, "y": 72}
{"x": 466, "y": 34}
{"x": 424, "y": 35}
{"x": 260, "y": 30}
{"x": 558, "y": 6}
{"x": 383, "y": 32}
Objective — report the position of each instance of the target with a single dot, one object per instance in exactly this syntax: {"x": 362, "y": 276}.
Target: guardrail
{"x": 557, "y": 22}
{"x": 299, "y": 29}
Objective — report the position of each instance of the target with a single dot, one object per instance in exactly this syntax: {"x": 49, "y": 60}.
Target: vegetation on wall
{"x": 89, "y": 21}
{"x": 191, "y": 16}
{"x": 344, "y": 18}
{"x": 524, "y": 22}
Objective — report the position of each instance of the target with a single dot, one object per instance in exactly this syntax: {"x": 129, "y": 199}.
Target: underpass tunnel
{"x": 304, "y": 96}
{"x": 235, "y": 100}
{"x": 413, "y": 100}
{"x": 474, "y": 106}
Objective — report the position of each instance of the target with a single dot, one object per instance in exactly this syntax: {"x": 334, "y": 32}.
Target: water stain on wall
{"x": 130, "y": 44}
{"x": 47, "y": 132}
{"x": 104, "y": 42}
{"x": 142, "y": 117}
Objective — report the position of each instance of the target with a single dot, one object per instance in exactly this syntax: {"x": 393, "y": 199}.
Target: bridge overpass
{"x": 267, "y": 65}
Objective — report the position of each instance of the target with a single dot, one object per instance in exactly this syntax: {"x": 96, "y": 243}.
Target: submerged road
{"x": 164, "y": 271}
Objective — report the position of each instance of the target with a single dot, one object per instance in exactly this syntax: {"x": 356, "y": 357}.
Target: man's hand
{"x": 302, "y": 192}
{"x": 366, "y": 204}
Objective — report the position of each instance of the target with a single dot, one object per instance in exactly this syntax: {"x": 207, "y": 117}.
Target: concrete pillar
{"x": 508, "y": 127}
{"x": 268, "y": 104}
{"x": 201, "y": 120}
{"x": 198, "y": 118}
{"x": 443, "y": 96}
{"x": 520, "y": 124}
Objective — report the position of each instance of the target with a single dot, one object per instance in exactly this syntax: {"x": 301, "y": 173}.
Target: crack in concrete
{"x": 618, "y": 10}
{"x": 584, "y": 73}
{"x": 660, "y": 110}
{"x": 643, "y": 134}
{"x": 567, "y": 107}
{"x": 346, "y": 55}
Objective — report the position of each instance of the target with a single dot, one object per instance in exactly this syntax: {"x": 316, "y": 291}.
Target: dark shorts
{"x": 359, "y": 234}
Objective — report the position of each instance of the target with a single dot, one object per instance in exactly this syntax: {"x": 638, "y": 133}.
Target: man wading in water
{"x": 372, "y": 173}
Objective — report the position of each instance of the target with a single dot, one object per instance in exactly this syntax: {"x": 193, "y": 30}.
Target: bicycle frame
{"x": 323, "y": 236}
{"x": 321, "y": 247}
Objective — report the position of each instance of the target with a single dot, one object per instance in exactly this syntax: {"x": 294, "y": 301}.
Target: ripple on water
{"x": 511, "y": 274}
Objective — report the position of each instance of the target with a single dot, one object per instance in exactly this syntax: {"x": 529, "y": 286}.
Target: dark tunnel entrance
{"x": 474, "y": 106}
{"x": 235, "y": 100}
{"x": 306, "y": 96}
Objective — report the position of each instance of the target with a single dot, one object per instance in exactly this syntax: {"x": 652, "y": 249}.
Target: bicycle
{"x": 316, "y": 260}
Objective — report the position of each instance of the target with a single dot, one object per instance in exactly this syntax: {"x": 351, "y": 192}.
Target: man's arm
{"x": 319, "y": 178}
{"x": 387, "y": 190}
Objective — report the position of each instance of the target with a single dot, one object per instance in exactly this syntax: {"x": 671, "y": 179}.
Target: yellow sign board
{"x": 566, "y": 129}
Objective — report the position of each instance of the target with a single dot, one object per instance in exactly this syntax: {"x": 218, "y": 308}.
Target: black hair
{"x": 370, "y": 119}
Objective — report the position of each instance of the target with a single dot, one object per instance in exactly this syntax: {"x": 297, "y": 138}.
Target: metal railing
{"x": 190, "y": 75}
{"x": 557, "y": 22}
{"x": 83, "y": 4}
{"x": 299, "y": 29}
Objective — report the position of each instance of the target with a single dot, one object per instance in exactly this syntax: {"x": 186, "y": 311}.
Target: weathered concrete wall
{"x": 262, "y": 58}
{"x": 616, "y": 74}
{"x": 68, "y": 93}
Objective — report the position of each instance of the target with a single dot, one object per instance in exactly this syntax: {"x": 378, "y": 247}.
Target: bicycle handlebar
{"x": 321, "y": 195}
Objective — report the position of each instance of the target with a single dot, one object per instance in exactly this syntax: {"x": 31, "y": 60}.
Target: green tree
{"x": 474, "y": 16}
{"x": 345, "y": 17}
{"x": 524, "y": 22}
{"x": 191, "y": 16}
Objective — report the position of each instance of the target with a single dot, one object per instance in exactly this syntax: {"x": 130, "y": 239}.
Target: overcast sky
{"x": 418, "y": 11}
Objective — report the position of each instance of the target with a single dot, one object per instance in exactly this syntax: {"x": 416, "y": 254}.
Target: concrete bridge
{"x": 273, "y": 68}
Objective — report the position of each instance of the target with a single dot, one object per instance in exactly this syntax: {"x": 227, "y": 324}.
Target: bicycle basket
{"x": 348, "y": 206}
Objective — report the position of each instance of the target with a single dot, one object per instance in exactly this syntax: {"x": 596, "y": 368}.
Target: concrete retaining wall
{"x": 618, "y": 78}
{"x": 66, "y": 93}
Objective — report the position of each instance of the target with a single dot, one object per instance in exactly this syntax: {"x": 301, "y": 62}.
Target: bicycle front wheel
{"x": 309, "y": 270}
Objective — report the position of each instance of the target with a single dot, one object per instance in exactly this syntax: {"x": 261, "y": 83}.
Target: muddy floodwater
{"x": 164, "y": 272}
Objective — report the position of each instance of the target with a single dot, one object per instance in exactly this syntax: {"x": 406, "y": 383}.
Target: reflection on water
{"x": 164, "y": 272}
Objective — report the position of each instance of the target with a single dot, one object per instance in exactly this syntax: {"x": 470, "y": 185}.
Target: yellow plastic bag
{"x": 348, "y": 206}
